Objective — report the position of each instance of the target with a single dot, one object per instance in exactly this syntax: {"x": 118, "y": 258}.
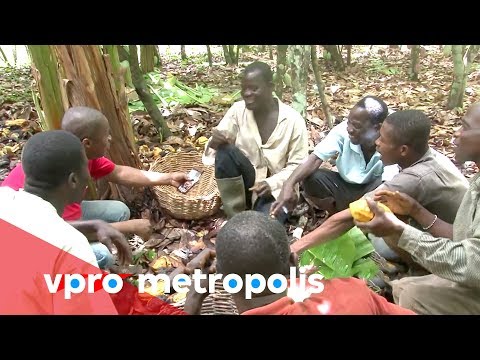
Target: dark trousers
{"x": 324, "y": 183}
{"x": 231, "y": 162}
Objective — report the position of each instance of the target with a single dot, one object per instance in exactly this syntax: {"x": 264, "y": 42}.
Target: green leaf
{"x": 150, "y": 254}
{"x": 343, "y": 256}
{"x": 363, "y": 246}
{"x": 364, "y": 269}
{"x": 287, "y": 80}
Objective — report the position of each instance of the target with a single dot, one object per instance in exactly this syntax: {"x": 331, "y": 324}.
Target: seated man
{"x": 252, "y": 243}
{"x": 359, "y": 166}
{"x": 56, "y": 174}
{"x": 93, "y": 130}
{"x": 256, "y": 146}
{"x": 452, "y": 253}
{"x": 426, "y": 175}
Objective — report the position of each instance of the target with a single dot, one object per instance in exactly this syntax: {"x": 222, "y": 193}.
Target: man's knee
{"x": 116, "y": 211}
{"x": 314, "y": 184}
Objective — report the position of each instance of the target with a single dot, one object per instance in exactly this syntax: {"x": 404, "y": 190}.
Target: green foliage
{"x": 171, "y": 92}
{"x": 380, "y": 67}
{"x": 343, "y": 257}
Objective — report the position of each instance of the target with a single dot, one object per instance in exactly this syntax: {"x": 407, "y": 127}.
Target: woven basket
{"x": 201, "y": 201}
{"x": 218, "y": 303}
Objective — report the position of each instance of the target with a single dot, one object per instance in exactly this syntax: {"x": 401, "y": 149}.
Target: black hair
{"x": 49, "y": 157}
{"x": 263, "y": 68}
{"x": 411, "y": 127}
{"x": 251, "y": 242}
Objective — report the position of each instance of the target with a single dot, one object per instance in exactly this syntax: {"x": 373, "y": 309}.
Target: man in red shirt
{"x": 93, "y": 130}
{"x": 252, "y": 243}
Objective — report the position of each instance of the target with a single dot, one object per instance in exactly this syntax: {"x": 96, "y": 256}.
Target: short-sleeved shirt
{"x": 348, "y": 296}
{"x": 98, "y": 168}
{"x": 435, "y": 182}
{"x": 350, "y": 161}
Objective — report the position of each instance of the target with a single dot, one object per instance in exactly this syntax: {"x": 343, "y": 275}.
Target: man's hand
{"x": 178, "y": 178}
{"x": 262, "y": 189}
{"x": 205, "y": 261}
{"x": 287, "y": 198}
{"x": 382, "y": 224}
{"x": 218, "y": 138}
{"x": 142, "y": 228}
{"x": 399, "y": 203}
{"x": 112, "y": 239}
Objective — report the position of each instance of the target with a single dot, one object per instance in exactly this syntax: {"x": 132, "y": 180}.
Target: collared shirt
{"x": 286, "y": 148}
{"x": 350, "y": 162}
{"x": 456, "y": 259}
{"x": 435, "y": 182}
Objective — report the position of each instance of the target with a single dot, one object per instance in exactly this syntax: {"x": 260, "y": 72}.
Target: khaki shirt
{"x": 286, "y": 148}
{"x": 435, "y": 182}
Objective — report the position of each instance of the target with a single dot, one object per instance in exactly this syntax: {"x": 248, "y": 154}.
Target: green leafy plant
{"x": 379, "y": 66}
{"x": 345, "y": 256}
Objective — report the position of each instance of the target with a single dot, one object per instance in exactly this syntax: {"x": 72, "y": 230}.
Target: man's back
{"x": 37, "y": 241}
{"x": 349, "y": 296}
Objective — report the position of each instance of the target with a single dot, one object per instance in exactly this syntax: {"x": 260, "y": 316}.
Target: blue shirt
{"x": 350, "y": 161}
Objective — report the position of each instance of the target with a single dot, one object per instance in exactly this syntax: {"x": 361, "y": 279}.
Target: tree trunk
{"x": 463, "y": 57}
{"x": 349, "y": 55}
{"x": 281, "y": 69}
{"x": 147, "y": 58}
{"x": 270, "y": 50}
{"x": 182, "y": 52}
{"x": 300, "y": 60}
{"x": 146, "y": 97}
{"x": 415, "y": 63}
{"x": 119, "y": 75}
{"x": 237, "y": 54}
{"x": 231, "y": 52}
{"x": 336, "y": 57}
{"x": 44, "y": 68}
{"x": 321, "y": 88}
{"x": 88, "y": 81}
{"x": 226, "y": 53}
{"x": 158, "y": 61}
{"x": 209, "y": 52}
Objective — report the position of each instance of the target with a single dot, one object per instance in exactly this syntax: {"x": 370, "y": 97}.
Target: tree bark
{"x": 300, "y": 60}
{"x": 146, "y": 97}
{"x": 210, "y": 60}
{"x": 415, "y": 62}
{"x": 226, "y": 53}
{"x": 463, "y": 57}
{"x": 182, "y": 52}
{"x": 321, "y": 88}
{"x": 147, "y": 58}
{"x": 44, "y": 68}
{"x": 336, "y": 57}
{"x": 281, "y": 69}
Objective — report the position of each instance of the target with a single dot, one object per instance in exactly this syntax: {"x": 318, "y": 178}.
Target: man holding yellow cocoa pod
{"x": 426, "y": 175}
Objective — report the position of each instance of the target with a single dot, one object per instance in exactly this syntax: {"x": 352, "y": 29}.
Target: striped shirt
{"x": 456, "y": 259}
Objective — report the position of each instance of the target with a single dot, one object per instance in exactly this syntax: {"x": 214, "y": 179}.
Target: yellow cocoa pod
{"x": 361, "y": 212}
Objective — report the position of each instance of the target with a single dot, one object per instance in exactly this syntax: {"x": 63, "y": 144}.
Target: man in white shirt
{"x": 257, "y": 145}
{"x": 56, "y": 174}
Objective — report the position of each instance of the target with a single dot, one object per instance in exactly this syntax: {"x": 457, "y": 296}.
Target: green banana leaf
{"x": 344, "y": 256}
